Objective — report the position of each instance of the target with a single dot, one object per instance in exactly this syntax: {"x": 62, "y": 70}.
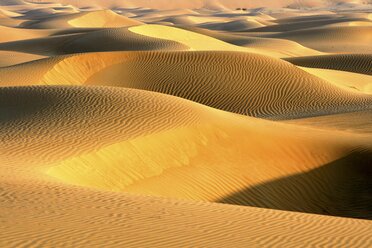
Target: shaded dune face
{"x": 300, "y": 25}
{"x": 144, "y": 142}
{"x": 359, "y": 63}
{"x": 342, "y": 186}
{"x": 79, "y": 116}
{"x": 119, "y": 39}
{"x": 356, "y": 122}
{"x": 235, "y": 82}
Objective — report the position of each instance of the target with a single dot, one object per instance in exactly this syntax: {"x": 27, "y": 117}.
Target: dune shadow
{"x": 341, "y": 188}
{"x": 20, "y": 103}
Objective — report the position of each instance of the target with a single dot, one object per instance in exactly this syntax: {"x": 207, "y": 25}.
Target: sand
{"x": 185, "y": 123}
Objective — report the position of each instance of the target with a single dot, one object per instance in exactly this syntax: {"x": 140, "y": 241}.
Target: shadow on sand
{"x": 340, "y": 188}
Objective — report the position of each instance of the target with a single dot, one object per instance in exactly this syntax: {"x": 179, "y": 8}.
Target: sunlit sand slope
{"x": 8, "y": 58}
{"x": 149, "y": 143}
{"x": 350, "y": 80}
{"x": 193, "y": 40}
{"x": 243, "y": 83}
{"x": 359, "y": 63}
{"x": 13, "y": 34}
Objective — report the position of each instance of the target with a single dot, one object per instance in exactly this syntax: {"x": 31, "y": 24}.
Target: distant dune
{"x": 94, "y": 19}
{"x": 343, "y": 39}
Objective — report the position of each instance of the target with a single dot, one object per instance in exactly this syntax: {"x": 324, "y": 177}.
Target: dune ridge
{"x": 340, "y": 39}
{"x": 173, "y": 69}
{"x": 115, "y": 39}
{"x": 93, "y": 19}
{"x": 350, "y": 80}
{"x": 358, "y": 63}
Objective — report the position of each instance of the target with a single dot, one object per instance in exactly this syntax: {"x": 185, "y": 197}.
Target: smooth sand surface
{"x": 185, "y": 123}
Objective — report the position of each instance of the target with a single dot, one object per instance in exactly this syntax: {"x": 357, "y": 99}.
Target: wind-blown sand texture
{"x": 185, "y": 123}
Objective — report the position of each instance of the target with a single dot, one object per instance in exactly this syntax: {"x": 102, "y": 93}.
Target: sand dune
{"x": 356, "y": 81}
{"x": 193, "y": 40}
{"x": 12, "y": 2}
{"x": 147, "y": 123}
{"x": 141, "y": 137}
{"x": 103, "y": 18}
{"x": 190, "y": 19}
{"x": 8, "y": 14}
{"x": 354, "y": 122}
{"x": 218, "y": 5}
{"x": 278, "y": 48}
{"x": 35, "y": 14}
{"x": 300, "y": 25}
{"x": 343, "y": 39}
{"x": 14, "y": 58}
{"x": 118, "y": 39}
{"x": 238, "y": 25}
{"x": 14, "y": 34}
{"x": 118, "y": 220}
{"x": 206, "y": 41}
{"x": 191, "y": 76}
{"x": 359, "y": 63}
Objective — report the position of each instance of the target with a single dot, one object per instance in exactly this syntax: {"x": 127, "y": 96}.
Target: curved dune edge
{"x": 99, "y": 40}
{"x": 278, "y": 48}
{"x": 349, "y": 80}
{"x": 91, "y": 19}
{"x": 339, "y": 39}
{"x": 354, "y": 122}
{"x": 9, "y": 58}
{"x": 104, "y": 18}
{"x": 15, "y": 34}
{"x": 195, "y": 41}
{"x": 149, "y": 143}
{"x": 357, "y": 63}
{"x": 193, "y": 76}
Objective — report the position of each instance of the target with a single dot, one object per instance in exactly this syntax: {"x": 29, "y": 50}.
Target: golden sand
{"x": 185, "y": 123}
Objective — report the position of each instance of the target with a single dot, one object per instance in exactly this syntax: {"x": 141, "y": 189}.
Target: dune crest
{"x": 230, "y": 92}
{"x": 104, "y": 18}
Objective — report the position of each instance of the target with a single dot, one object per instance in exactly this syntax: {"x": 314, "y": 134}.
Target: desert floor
{"x": 204, "y": 125}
